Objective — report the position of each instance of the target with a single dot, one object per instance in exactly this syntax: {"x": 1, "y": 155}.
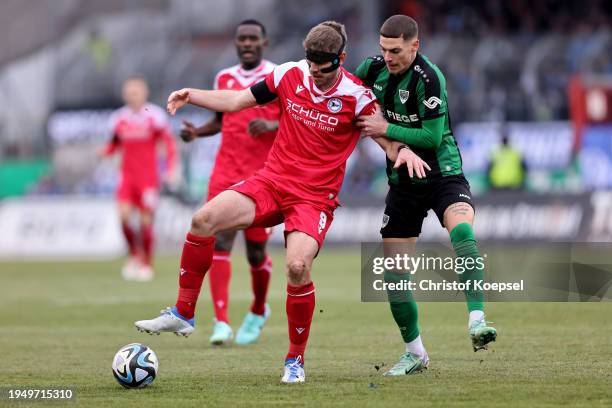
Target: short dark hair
{"x": 400, "y": 26}
{"x": 252, "y": 21}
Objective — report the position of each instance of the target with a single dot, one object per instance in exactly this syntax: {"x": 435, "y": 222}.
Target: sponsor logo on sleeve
{"x": 432, "y": 102}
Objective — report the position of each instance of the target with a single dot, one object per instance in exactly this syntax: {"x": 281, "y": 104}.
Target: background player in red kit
{"x": 137, "y": 128}
{"x": 298, "y": 185}
{"x": 246, "y": 139}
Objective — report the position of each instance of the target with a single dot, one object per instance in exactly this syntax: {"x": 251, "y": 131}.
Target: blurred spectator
{"x": 507, "y": 169}
{"x": 362, "y": 169}
{"x": 99, "y": 49}
{"x": 504, "y": 60}
{"x": 542, "y": 43}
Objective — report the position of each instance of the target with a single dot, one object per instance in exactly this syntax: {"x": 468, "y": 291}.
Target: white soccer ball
{"x": 135, "y": 366}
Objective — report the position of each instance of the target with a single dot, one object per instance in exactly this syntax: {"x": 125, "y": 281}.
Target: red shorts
{"x": 142, "y": 195}
{"x": 274, "y": 206}
{"x": 253, "y": 234}
{"x": 258, "y": 234}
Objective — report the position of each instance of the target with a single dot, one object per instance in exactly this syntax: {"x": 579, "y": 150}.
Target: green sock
{"x": 403, "y": 308}
{"x": 464, "y": 243}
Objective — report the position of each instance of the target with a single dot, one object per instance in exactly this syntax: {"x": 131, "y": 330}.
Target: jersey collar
{"x": 246, "y": 73}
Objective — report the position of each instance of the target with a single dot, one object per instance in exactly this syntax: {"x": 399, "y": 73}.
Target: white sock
{"x": 416, "y": 347}
{"x": 475, "y": 315}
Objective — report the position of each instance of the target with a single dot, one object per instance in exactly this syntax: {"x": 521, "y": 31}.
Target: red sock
{"x": 300, "y": 307}
{"x": 260, "y": 280}
{"x": 219, "y": 275}
{"x": 147, "y": 244}
{"x": 195, "y": 261}
{"x": 130, "y": 238}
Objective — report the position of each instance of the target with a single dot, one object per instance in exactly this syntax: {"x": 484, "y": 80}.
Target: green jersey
{"x": 415, "y": 105}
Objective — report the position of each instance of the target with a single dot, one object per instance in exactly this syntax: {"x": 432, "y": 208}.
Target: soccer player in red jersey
{"x": 298, "y": 185}
{"x": 137, "y": 128}
{"x": 246, "y": 139}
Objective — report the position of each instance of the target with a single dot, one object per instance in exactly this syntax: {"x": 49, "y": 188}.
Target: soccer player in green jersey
{"x": 412, "y": 93}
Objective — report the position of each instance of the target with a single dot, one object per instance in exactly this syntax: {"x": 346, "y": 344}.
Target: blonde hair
{"x": 326, "y": 37}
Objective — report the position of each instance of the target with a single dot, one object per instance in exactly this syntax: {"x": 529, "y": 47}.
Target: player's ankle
{"x": 475, "y": 315}
{"x": 416, "y": 347}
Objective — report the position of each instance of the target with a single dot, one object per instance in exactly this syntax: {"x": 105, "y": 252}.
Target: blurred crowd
{"x": 504, "y": 60}
{"x": 511, "y": 59}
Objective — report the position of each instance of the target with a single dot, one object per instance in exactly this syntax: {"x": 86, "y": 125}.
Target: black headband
{"x": 321, "y": 57}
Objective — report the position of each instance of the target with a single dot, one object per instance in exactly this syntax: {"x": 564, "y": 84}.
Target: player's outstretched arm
{"x": 210, "y": 128}
{"x": 217, "y": 100}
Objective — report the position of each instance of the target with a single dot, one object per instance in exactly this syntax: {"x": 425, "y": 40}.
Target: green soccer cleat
{"x": 481, "y": 334}
{"x": 222, "y": 333}
{"x": 409, "y": 363}
{"x": 251, "y": 327}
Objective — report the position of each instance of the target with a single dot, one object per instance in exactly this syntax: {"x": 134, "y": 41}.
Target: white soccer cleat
{"x": 168, "y": 321}
{"x": 130, "y": 269}
{"x": 409, "y": 363}
{"x": 144, "y": 273}
{"x": 294, "y": 371}
{"x": 481, "y": 333}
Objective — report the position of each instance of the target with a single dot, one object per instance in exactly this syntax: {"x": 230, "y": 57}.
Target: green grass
{"x": 61, "y": 323}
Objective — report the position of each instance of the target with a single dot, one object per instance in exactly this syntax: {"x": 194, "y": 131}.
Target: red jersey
{"x": 317, "y": 130}
{"x": 137, "y": 135}
{"x": 240, "y": 153}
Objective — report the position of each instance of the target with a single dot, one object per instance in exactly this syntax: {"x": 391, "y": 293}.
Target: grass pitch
{"x": 61, "y": 324}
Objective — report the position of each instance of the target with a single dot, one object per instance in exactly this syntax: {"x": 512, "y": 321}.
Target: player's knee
{"x": 125, "y": 219}
{"x": 124, "y": 215}
{"x": 297, "y": 272}
{"x": 256, "y": 256}
{"x": 202, "y": 223}
{"x": 146, "y": 220}
{"x": 222, "y": 244}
